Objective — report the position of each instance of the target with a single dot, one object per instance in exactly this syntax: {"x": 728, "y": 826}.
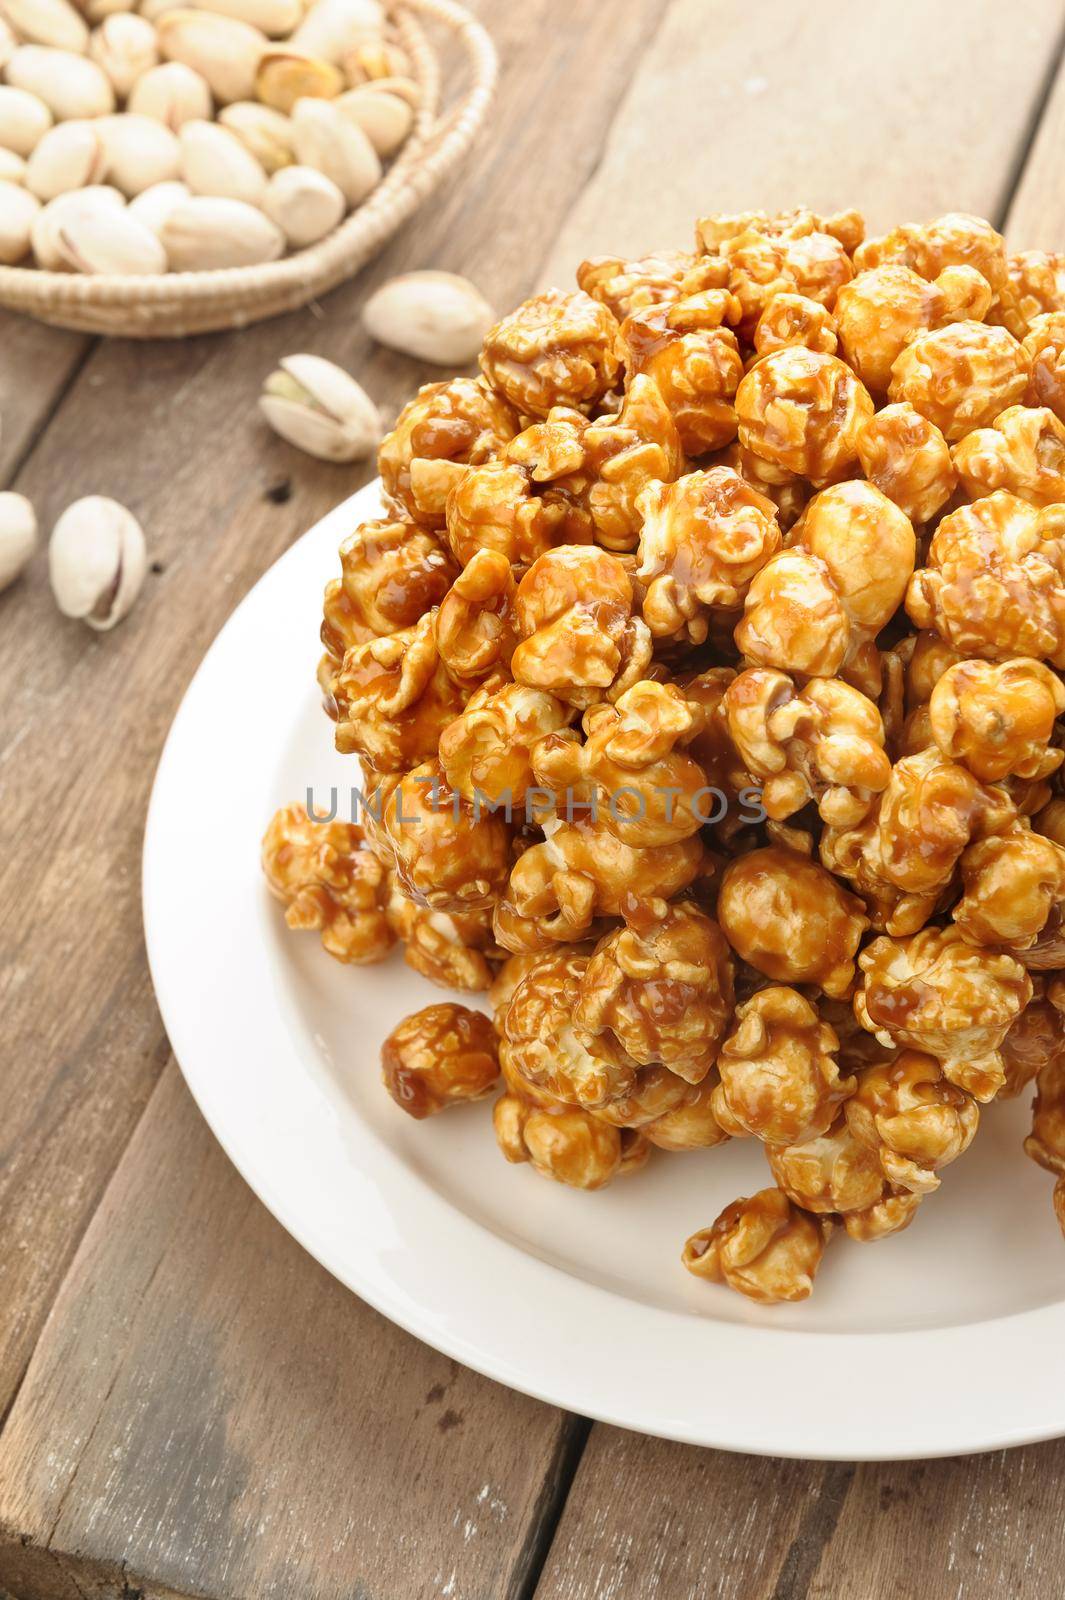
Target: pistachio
{"x": 24, "y": 120}
{"x": 152, "y": 206}
{"x": 70, "y": 156}
{"x": 286, "y": 75}
{"x": 51, "y": 22}
{"x": 8, "y": 43}
{"x": 125, "y": 47}
{"x": 435, "y": 316}
{"x": 305, "y": 204}
{"x": 375, "y": 58}
{"x": 97, "y": 10}
{"x": 206, "y": 232}
{"x": 215, "y": 162}
{"x": 12, "y": 167}
{"x": 404, "y": 88}
{"x": 152, "y": 10}
{"x": 18, "y": 536}
{"x": 321, "y": 409}
{"x": 70, "y": 86}
{"x": 385, "y": 118}
{"x": 140, "y": 152}
{"x": 265, "y": 132}
{"x": 114, "y": 243}
{"x": 221, "y": 49}
{"x": 46, "y": 236}
{"x": 325, "y": 139}
{"x": 172, "y": 94}
{"x": 332, "y": 27}
{"x": 18, "y": 212}
{"x": 276, "y": 18}
{"x": 97, "y": 561}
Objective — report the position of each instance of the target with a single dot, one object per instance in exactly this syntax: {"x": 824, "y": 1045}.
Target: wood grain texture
{"x": 1035, "y": 216}
{"x": 172, "y": 430}
{"x": 36, "y": 365}
{"x": 209, "y": 1412}
{"x": 900, "y": 108}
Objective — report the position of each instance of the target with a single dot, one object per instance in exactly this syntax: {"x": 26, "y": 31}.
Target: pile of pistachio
{"x": 185, "y": 135}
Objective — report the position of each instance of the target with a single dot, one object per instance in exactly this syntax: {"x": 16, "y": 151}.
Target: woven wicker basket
{"x": 180, "y": 303}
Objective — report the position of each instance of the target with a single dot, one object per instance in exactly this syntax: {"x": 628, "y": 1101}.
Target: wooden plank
{"x": 36, "y": 366}
{"x": 1035, "y": 218}
{"x": 173, "y": 431}
{"x": 891, "y": 107}
{"x": 209, "y": 1412}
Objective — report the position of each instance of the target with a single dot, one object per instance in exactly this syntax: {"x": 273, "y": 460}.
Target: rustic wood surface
{"x": 193, "y": 1407}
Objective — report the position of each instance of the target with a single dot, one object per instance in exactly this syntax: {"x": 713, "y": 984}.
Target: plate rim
{"x": 996, "y": 1359}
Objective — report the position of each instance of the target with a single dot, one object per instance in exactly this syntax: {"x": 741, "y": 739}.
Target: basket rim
{"x": 430, "y": 150}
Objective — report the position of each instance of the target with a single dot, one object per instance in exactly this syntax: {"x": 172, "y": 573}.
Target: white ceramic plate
{"x": 945, "y": 1339}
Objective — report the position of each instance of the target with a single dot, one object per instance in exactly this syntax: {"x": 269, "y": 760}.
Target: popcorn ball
{"x": 704, "y": 675}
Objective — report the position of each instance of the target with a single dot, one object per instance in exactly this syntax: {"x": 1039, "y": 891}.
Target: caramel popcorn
{"x": 687, "y": 350}
{"x": 997, "y": 719}
{"x": 908, "y": 459}
{"x": 803, "y": 410}
{"x": 440, "y": 1057}
{"x": 554, "y": 350}
{"x": 938, "y": 994}
{"x": 487, "y": 752}
{"x": 670, "y": 275}
{"x": 632, "y": 768}
{"x": 765, "y": 1248}
{"x": 704, "y": 539}
{"x": 779, "y": 1076}
{"x": 705, "y": 667}
{"x": 823, "y": 743}
{"x": 960, "y": 377}
{"x": 447, "y": 854}
{"x": 792, "y": 319}
{"x": 328, "y": 882}
{"x": 664, "y": 996}
{"x": 881, "y": 310}
{"x": 582, "y": 871}
{"x": 474, "y": 625}
{"x": 994, "y": 583}
{"x": 1023, "y": 451}
{"x": 790, "y": 918}
{"x": 1014, "y": 890}
{"x": 391, "y": 574}
{"x": 462, "y": 422}
{"x": 393, "y": 698}
{"x": 579, "y": 638}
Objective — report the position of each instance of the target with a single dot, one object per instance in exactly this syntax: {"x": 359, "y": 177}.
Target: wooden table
{"x": 190, "y": 1406}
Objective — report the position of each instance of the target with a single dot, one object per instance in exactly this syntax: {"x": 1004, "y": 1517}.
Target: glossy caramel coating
{"x": 794, "y": 319}
{"x": 663, "y": 996}
{"x": 953, "y": 240}
{"x": 803, "y": 410}
{"x": 882, "y": 309}
{"x": 689, "y": 351}
{"x": 581, "y": 872}
{"x": 830, "y": 1174}
{"x": 765, "y": 1248}
{"x": 997, "y": 718}
{"x": 1034, "y": 1041}
{"x": 487, "y": 752}
{"x": 659, "y": 279}
{"x": 703, "y": 540}
{"x": 1044, "y": 349}
{"x": 908, "y": 459}
{"x": 392, "y": 572}
{"x": 439, "y": 1057}
{"x": 541, "y": 1046}
{"x": 960, "y": 377}
{"x": 912, "y": 1118}
{"x": 824, "y": 743}
{"x": 474, "y": 626}
{"x": 565, "y": 1143}
{"x": 938, "y": 994}
{"x": 691, "y": 1124}
{"x": 556, "y": 349}
{"x": 452, "y": 949}
{"x": 328, "y": 882}
{"x": 447, "y": 854}
{"x": 791, "y": 919}
{"x": 461, "y": 422}
{"x": 780, "y": 1080}
{"x": 393, "y": 698}
{"x": 499, "y": 506}
{"x": 1046, "y": 1142}
{"x": 579, "y": 638}
{"x": 793, "y": 259}
{"x": 994, "y": 582}
{"x": 1038, "y": 279}
{"x": 1023, "y": 452}
{"x": 633, "y": 768}
{"x": 1014, "y": 887}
